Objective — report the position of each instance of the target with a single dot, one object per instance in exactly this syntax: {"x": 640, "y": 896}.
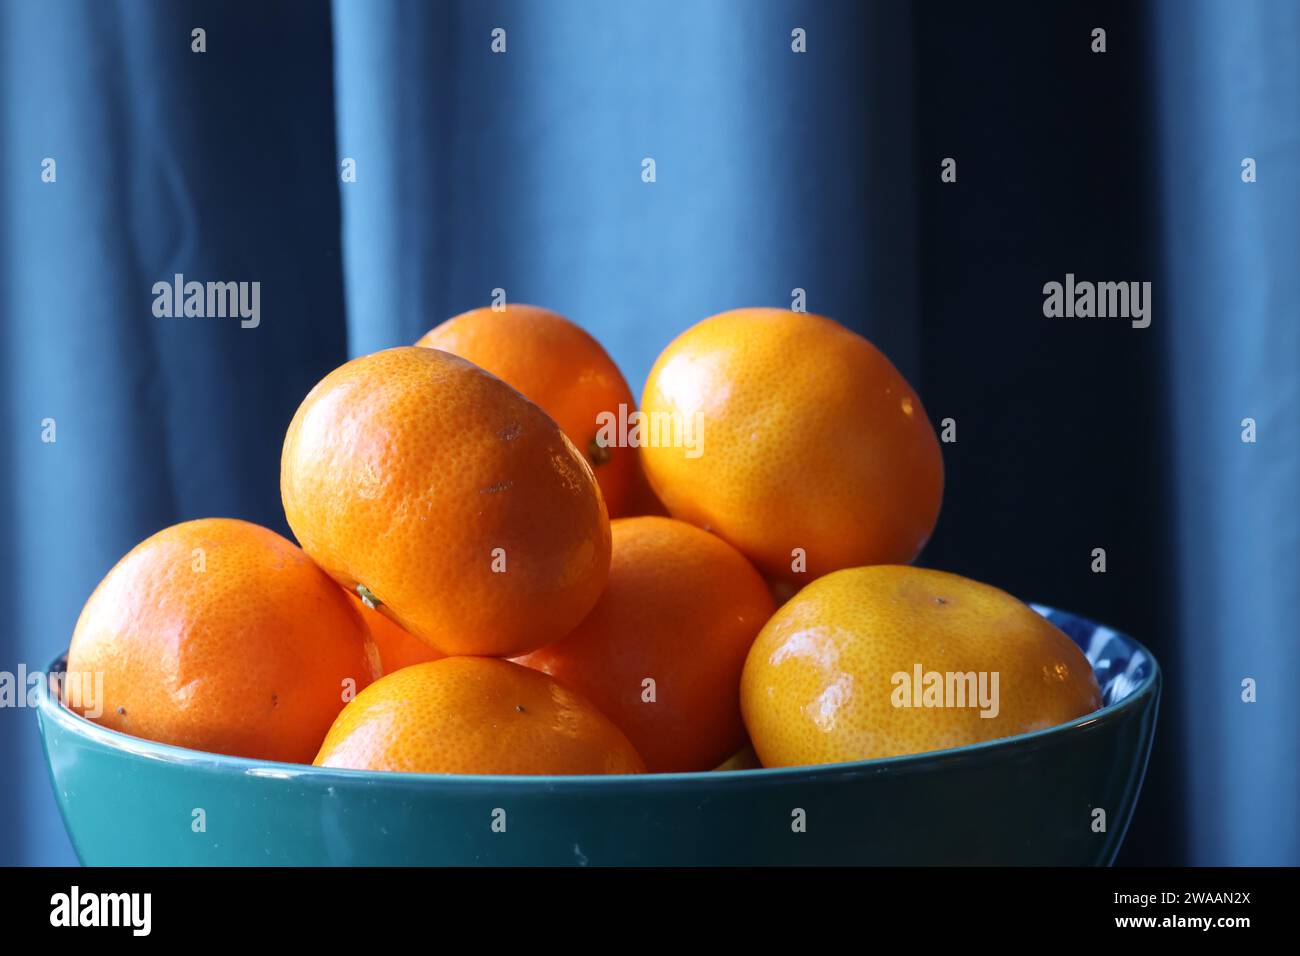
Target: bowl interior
{"x": 1122, "y": 665}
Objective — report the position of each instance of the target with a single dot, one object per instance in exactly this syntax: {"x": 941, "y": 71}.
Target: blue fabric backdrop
{"x": 1229, "y": 88}
{"x": 774, "y": 171}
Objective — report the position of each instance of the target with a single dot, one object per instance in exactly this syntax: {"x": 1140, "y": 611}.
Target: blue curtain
{"x": 217, "y": 166}
{"x": 1228, "y": 89}
{"x": 774, "y": 171}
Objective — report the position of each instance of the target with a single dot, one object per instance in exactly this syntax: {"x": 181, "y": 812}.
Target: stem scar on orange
{"x": 816, "y": 453}
{"x": 475, "y": 715}
{"x": 562, "y": 368}
{"x": 222, "y": 636}
{"x": 397, "y": 648}
{"x": 451, "y": 499}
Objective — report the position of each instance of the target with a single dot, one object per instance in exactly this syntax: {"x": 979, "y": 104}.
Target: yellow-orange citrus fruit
{"x": 813, "y": 452}
{"x": 661, "y": 652}
{"x": 743, "y": 759}
{"x": 222, "y": 636}
{"x": 562, "y": 368}
{"x": 450, "y": 498}
{"x": 889, "y": 660}
{"x": 397, "y": 648}
{"x": 475, "y": 715}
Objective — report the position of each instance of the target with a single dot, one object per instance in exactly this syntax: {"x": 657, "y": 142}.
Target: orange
{"x": 887, "y": 660}
{"x": 560, "y": 367}
{"x": 815, "y": 452}
{"x": 397, "y": 648}
{"x": 475, "y": 715}
{"x": 220, "y": 635}
{"x": 662, "y": 651}
{"x": 435, "y": 489}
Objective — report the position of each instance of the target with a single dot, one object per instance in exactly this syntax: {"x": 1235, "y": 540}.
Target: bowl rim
{"x": 49, "y": 707}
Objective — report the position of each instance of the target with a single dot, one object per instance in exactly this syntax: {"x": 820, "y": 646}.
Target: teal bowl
{"x": 1029, "y": 799}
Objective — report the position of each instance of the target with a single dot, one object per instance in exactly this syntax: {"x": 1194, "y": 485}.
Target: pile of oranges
{"x": 504, "y": 566}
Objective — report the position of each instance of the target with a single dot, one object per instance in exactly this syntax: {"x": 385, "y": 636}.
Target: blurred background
{"x": 775, "y": 170}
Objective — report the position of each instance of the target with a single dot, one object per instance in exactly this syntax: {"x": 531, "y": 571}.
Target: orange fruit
{"x": 558, "y": 365}
{"x": 680, "y": 610}
{"x": 449, "y": 498}
{"x": 815, "y": 451}
{"x": 475, "y": 715}
{"x": 397, "y": 648}
{"x": 888, "y": 660}
{"x": 220, "y": 635}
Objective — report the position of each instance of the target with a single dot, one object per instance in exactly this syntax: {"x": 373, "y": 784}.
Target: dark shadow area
{"x": 1061, "y": 424}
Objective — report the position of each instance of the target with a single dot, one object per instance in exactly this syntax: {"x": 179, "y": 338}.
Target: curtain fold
{"x": 523, "y": 170}
{"x": 217, "y": 166}
{"x": 1228, "y": 87}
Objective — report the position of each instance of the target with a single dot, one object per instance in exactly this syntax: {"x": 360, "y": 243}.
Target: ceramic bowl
{"x": 1028, "y": 799}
